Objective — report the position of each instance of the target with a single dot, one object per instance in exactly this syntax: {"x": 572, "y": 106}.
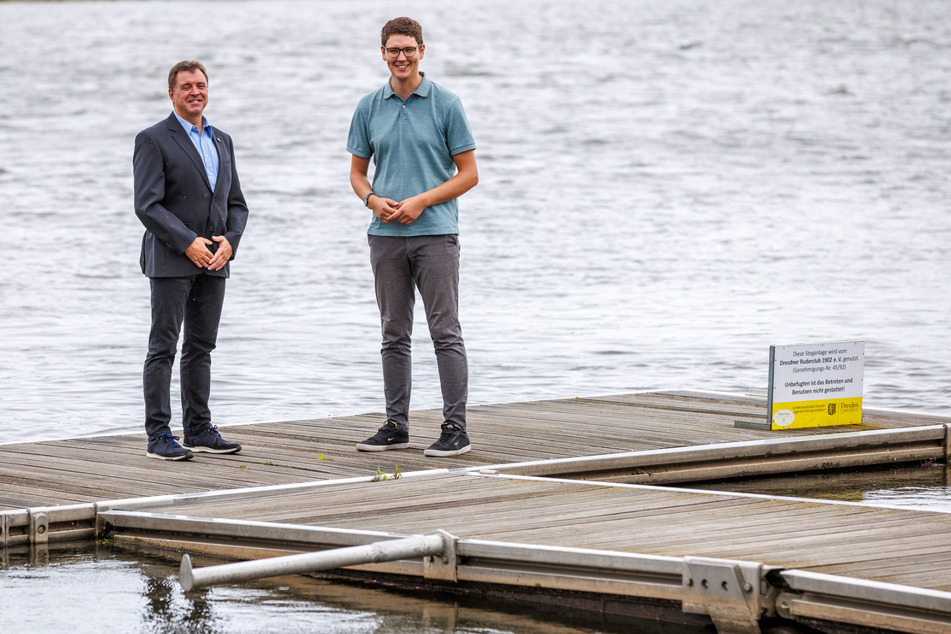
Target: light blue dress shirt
{"x": 204, "y": 142}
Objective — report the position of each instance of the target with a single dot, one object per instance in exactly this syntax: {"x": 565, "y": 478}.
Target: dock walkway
{"x": 81, "y": 470}
{"x": 560, "y": 495}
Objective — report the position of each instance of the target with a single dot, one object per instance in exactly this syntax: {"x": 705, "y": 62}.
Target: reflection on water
{"x": 926, "y": 487}
{"x": 103, "y": 590}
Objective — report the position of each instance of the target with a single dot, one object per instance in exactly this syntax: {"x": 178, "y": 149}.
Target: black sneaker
{"x": 210, "y": 441}
{"x": 165, "y": 447}
{"x": 388, "y": 437}
{"x": 452, "y": 442}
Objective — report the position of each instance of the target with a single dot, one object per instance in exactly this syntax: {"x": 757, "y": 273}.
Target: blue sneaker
{"x": 210, "y": 441}
{"x": 166, "y": 447}
{"x": 388, "y": 437}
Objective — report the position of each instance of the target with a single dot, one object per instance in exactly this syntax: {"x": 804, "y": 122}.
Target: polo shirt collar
{"x": 422, "y": 90}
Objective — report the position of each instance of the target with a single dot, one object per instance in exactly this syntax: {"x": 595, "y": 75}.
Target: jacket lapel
{"x": 181, "y": 137}
{"x": 224, "y": 158}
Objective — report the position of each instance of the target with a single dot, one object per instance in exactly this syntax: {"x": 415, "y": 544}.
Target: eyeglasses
{"x": 409, "y": 52}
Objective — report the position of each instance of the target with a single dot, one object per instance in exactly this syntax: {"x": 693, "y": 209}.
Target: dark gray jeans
{"x": 431, "y": 264}
{"x": 197, "y": 302}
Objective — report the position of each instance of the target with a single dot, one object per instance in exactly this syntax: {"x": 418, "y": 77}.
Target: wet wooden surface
{"x": 882, "y": 544}
{"x": 52, "y": 473}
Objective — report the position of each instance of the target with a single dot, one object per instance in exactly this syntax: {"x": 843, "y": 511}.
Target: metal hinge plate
{"x": 443, "y": 566}
{"x": 730, "y": 592}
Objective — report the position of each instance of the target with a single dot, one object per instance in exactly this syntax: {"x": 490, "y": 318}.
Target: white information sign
{"x": 814, "y": 385}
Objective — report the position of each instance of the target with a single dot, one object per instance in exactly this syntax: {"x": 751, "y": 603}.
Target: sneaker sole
{"x": 399, "y": 445}
{"x": 443, "y": 453}
{"x": 210, "y": 450}
{"x": 161, "y": 457}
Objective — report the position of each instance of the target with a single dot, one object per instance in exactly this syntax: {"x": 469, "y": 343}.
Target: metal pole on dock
{"x": 390, "y": 550}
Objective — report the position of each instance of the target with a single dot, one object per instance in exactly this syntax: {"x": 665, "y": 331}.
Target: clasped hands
{"x": 203, "y": 258}
{"x": 389, "y": 210}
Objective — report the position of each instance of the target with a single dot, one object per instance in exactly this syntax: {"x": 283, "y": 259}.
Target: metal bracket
{"x": 729, "y": 592}
{"x": 947, "y": 443}
{"x": 39, "y": 526}
{"x": 103, "y": 528}
{"x": 442, "y": 566}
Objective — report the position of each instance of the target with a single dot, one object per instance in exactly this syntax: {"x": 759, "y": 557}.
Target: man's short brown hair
{"x": 186, "y": 65}
{"x": 402, "y": 26}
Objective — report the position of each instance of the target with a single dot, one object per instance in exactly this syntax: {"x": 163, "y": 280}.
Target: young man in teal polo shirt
{"x": 417, "y": 134}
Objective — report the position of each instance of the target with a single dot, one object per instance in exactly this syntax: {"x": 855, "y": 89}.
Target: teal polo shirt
{"x": 412, "y": 143}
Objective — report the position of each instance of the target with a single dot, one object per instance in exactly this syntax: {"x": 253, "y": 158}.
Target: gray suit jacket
{"x": 174, "y": 200}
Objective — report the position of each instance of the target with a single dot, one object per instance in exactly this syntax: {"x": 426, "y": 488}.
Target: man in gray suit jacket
{"x": 188, "y": 197}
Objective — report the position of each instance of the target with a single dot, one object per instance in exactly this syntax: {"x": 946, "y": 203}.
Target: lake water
{"x": 921, "y": 487}
{"x": 668, "y": 187}
{"x": 144, "y": 595}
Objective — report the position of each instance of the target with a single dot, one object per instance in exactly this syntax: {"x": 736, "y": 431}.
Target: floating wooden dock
{"x": 563, "y": 501}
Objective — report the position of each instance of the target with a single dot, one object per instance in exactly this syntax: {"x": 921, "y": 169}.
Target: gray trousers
{"x": 195, "y": 301}
{"x": 431, "y": 264}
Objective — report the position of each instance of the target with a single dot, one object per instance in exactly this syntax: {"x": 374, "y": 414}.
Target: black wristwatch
{"x": 366, "y": 201}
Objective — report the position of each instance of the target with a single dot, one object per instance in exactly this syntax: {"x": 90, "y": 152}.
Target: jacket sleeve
{"x": 148, "y": 171}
